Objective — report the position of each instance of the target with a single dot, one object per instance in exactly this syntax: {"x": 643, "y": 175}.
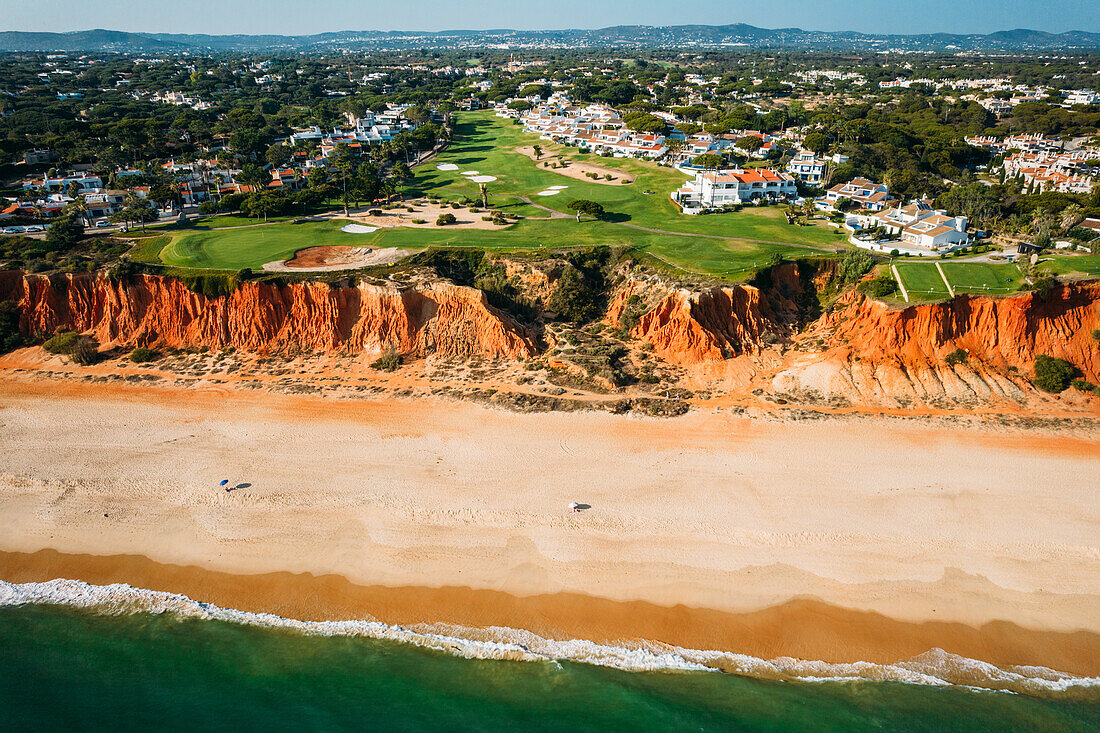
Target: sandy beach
{"x": 833, "y": 539}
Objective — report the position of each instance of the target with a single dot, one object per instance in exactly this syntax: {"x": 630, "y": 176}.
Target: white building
{"x": 1082, "y": 96}
{"x": 917, "y": 229}
{"x": 864, "y": 193}
{"x": 812, "y": 169}
{"x": 715, "y": 189}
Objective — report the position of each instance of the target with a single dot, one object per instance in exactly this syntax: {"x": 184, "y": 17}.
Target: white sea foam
{"x": 935, "y": 667}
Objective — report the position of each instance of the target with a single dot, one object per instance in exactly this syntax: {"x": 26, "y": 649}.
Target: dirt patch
{"x": 334, "y": 257}
{"x": 576, "y": 169}
{"x": 423, "y": 216}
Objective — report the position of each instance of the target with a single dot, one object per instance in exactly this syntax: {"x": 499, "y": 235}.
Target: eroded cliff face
{"x": 866, "y": 351}
{"x": 732, "y": 338}
{"x": 441, "y": 318}
{"x": 689, "y": 328}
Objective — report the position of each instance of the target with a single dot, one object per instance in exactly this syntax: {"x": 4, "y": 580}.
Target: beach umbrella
{"x": 223, "y": 482}
{"x": 574, "y": 506}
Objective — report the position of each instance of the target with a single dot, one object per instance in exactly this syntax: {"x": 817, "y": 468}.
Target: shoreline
{"x": 803, "y": 629}
{"x": 843, "y": 541}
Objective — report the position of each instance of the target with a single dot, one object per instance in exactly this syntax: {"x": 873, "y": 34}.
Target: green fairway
{"x": 981, "y": 277}
{"x": 922, "y": 280}
{"x": 233, "y": 249}
{"x": 1073, "y": 264}
{"x": 487, "y": 144}
{"x": 731, "y": 245}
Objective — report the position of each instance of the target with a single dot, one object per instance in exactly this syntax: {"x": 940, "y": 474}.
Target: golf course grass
{"x": 1073, "y": 264}
{"x": 982, "y": 277}
{"x": 922, "y": 280}
{"x": 727, "y": 245}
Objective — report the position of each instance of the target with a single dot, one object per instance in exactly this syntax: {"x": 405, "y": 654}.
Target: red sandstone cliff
{"x": 148, "y": 310}
{"x": 692, "y": 327}
{"x": 866, "y": 351}
{"x": 688, "y": 328}
{"x": 1001, "y": 332}
{"x": 863, "y": 351}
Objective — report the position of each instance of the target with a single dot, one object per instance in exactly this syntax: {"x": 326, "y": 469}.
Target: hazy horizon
{"x": 284, "y": 17}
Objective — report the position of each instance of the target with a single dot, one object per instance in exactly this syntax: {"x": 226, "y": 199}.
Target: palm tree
{"x": 674, "y": 147}
{"x": 79, "y": 208}
{"x": 1072, "y": 215}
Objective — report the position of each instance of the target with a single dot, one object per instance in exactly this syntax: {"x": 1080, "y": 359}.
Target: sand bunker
{"x": 423, "y": 215}
{"x": 446, "y": 167}
{"x": 575, "y": 168}
{"x": 327, "y": 258}
{"x": 358, "y": 229}
{"x": 548, "y": 193}
{"x": 471, "y": 173}
{"x": 556, "y": 188}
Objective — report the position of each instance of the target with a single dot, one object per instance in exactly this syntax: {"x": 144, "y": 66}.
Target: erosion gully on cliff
{"x": 146, "y": 310}
{"x": 859, "y": 350}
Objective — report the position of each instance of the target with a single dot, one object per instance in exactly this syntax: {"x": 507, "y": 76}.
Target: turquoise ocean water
{"x": 65, "y": 668}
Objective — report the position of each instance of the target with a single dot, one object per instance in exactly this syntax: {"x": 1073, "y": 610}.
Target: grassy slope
{"x": 487, "y": 144}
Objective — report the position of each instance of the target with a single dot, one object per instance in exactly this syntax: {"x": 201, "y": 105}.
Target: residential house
{"x": 864, "y": 194}
{"x": 715, "y": 189}
{"x": 811, "y": 169}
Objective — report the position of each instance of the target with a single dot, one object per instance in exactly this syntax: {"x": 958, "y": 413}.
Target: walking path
{"x": 950, "y": 290}
{"x": 904, "y": 292}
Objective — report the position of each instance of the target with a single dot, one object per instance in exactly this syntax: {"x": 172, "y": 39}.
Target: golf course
{"x": 639, "y": 214}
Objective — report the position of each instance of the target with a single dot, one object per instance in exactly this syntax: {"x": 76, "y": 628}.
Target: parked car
{"x": 11, "y": 230}
{"x": 102, "y": 224}
{"x": 35, "y": 228}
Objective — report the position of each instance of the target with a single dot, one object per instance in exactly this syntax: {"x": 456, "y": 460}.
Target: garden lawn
{"x": 981, "y": 277}
{"x": 922, "y": 280}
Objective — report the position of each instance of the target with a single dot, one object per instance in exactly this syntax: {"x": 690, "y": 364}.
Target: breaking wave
{"x": 934, "y": 667}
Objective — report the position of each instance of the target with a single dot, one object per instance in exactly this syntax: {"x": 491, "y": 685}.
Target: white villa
{"x": 715, "y": 189}
{"x": 597, "y": 128}
{"x": 917, "y": 229}
{"x": 812, "y": 169}
{"x": 864, "y": 193}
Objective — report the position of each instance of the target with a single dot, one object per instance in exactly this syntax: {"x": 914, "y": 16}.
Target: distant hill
{"x": 95, "y": 40}
{"x": 632, "y": 36}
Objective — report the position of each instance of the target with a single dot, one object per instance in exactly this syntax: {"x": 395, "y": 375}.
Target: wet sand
{"x": 804, "y": 629}
{"x": 837, "y": 540}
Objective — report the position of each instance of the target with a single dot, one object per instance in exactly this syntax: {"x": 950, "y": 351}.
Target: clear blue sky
{"x": 314, "y": 16}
